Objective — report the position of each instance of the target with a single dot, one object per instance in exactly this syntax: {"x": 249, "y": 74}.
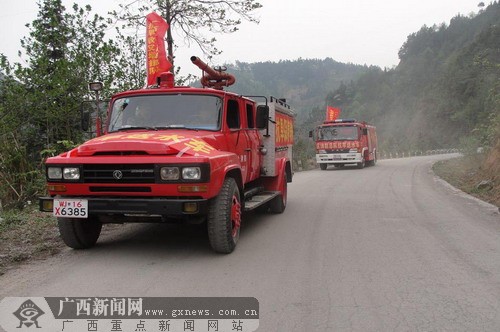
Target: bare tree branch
{"x": 191, "y": 18}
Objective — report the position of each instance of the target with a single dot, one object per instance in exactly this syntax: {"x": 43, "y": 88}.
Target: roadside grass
{"x": 27, "y": 234}
{"x": 468, "y": 174}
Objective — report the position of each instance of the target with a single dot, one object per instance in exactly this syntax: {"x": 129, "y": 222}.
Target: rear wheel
{"x": 323, "y": 166}
{"x": 224, "y": 218}
{"x": 278, "y": 204}
{"x": 79, "y": 233}
{"x": 374, "y": 161}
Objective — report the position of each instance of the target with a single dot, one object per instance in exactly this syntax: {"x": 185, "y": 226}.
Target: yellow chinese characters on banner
{"x": 338, "y": 145}
{"x": 284, "y": 129}
{"x": 139, "y": 136}
{"x": 175, "y": 138}
{"x": 156, "y": 56}
{"x": 153, "y": 52}
{"x": 332, "y": 113}
{"x": 199, "y": 146}
{"x": 123, "y": 136}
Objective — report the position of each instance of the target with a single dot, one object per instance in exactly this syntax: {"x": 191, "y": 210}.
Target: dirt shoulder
{"x": 30, "y": 235}
{"x": 27, "y": 235}
{"x": 472, "y": 175}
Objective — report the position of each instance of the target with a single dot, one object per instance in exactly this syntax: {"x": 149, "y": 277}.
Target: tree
{"x": 40, "y": 101}
{"x": 188, "y": 18}
{"x": 132, "y": 74}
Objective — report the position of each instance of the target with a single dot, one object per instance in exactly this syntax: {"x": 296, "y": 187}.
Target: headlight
{"x": 322, "y": 151}
{"x": 54, "y": 173}
{"x": 191, "y": 173}
{"x": 71, "y": 173}
{"x": 169, "y": 173}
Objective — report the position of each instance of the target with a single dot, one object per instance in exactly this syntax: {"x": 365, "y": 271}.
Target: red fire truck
{"x": 345, "y": 141}
{"x": 176, "y": 153}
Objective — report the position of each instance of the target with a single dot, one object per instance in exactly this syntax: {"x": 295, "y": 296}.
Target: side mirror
{"x": 86, "y": 111}
{"x": 310, "y": 133}
{"x": 262, "y": 116}
{"x": 89, "y": 115}
{"x": 85, "y": 121}
{"x": 365, "y": 131}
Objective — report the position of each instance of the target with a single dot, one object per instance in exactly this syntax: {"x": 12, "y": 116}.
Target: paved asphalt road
{"x": 386, "y": 248}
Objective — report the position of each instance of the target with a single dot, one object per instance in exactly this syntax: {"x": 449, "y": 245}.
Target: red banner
{"x": 156, "y": 57}
{"x": 332, "y": 113}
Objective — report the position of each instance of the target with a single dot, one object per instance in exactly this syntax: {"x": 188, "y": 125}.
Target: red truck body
{"x": 201, "y": 155}
{"x": 345, "y": 141}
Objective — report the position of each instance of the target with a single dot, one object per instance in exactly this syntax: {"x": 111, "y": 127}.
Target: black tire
{"x": 278, "y": 203}
{"x": 323, "y": 166}
{"x": 374, "y": 161}
{"x": 263, "y": 208}
{"x": 79, "y": 233}
{"x": 224, "y": 218}
{"x": 361, "y": 164}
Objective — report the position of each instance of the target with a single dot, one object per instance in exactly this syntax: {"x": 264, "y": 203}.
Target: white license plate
{"x": 70, "y": 208}
{"x": 337, "y": 157}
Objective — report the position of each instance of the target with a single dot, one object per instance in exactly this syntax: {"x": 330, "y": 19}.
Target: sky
{"x": 350, "y": 31}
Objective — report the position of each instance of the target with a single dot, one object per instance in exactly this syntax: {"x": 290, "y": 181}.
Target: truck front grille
{"x": 119, "y": 173}
{"x": 337, "y": 150}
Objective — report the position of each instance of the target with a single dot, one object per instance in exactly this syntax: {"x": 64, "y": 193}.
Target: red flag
{"x": 156, "y": 57}
{"x": 332, "y": 113}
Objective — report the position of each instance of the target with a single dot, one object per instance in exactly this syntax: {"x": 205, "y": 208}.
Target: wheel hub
{"x": 235, "y": 215}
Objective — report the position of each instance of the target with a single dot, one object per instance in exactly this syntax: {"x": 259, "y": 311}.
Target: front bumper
{"x": 338, "y": 158}
{"x": 137, "y": 206}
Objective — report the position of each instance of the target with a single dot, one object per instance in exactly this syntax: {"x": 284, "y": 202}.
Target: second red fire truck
{"x": 345, "y": 141}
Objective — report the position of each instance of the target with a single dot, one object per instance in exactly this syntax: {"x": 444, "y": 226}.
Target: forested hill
{"x": 445, "y": 92}
{"x": 303, "y": 82}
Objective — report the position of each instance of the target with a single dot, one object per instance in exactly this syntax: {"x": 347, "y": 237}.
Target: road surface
{"x": 386, "y": 248}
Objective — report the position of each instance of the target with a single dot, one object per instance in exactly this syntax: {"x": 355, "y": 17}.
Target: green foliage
{"x": 470, "y": 145}
{"x": 40, "y": 99}
{"x": 56, "y": 149}
{"x": 19, "y": 178}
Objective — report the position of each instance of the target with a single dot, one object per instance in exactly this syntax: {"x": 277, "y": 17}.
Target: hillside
{"x": 444, "y": 92}
{"x": 303, "y": 82}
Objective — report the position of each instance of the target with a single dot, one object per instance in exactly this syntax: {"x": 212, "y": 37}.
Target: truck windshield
{"x": 337, "y": 133}
{"x": 166, "y": 111}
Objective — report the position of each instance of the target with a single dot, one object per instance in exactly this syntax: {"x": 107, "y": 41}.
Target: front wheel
{"x": 224, "y": 218}
{"x": 79, "y": 233}
{"x": 361, "y": 164}
{"x": 323, "y": 166}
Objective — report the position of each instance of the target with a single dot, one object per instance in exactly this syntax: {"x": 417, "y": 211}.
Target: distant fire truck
{"x": 345, "y": 141}
{"x": 176, "y": 153}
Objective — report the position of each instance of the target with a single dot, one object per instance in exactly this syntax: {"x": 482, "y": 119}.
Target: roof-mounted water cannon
{"x": 215, "y": 78}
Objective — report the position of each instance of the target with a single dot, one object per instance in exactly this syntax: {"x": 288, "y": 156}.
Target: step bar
{"x": 260, "y": 199}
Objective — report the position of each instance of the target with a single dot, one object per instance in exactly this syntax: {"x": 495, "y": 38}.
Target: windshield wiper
{"x": 175, "y": 127}
{"x": 136, "y": 127}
